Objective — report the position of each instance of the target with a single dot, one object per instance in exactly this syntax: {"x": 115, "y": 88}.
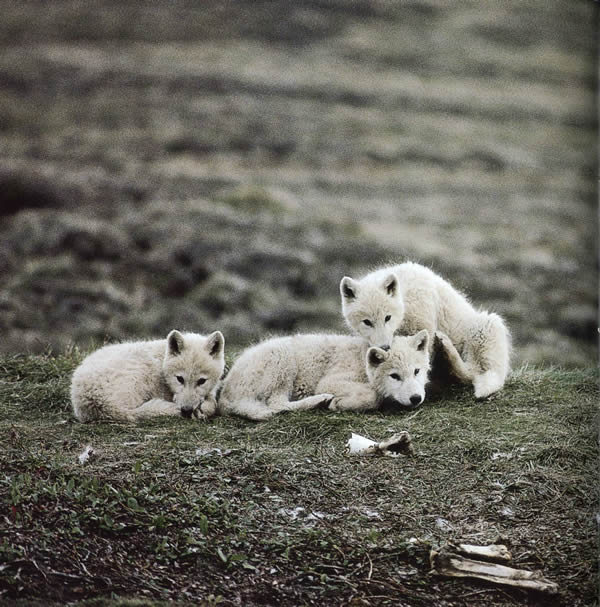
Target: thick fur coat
{"x": 340, "y": 372}
{"x": 131, "y": 381}
{"x": 409, "y": 297}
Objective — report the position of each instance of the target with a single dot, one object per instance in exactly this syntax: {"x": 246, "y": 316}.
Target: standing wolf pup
{"x": 131, "y": 381}
{"x": 338, "y": 371}
{"x": 409, "y": 297}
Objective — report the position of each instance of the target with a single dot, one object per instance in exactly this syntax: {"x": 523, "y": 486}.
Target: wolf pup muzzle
{"x": 391, "y": 404}
{"x": 187, "y": 411}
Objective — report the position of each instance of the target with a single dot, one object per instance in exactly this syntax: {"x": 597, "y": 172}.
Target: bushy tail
{"x": 493, "y": 354}
{"x": 500, "y": 335}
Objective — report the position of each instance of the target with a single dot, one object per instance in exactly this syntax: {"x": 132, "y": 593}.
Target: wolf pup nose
{"x": 416, "y": 399}
{"x": 187, "y": 411}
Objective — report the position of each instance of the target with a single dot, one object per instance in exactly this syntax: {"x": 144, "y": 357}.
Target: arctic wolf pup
{"x": 130, "y": 381}
{"x": 338, "y": 371}
{"x": 410, "y": 297}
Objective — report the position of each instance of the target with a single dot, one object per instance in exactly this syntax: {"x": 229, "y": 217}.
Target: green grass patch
{"x": 281, "y": 515}
{"x": 253, "y": 199}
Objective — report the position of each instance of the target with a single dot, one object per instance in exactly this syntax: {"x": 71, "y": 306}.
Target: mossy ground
{"x": 282, "y": 516}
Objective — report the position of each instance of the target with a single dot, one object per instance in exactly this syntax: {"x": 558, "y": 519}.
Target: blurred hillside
{"x": 222, "y": 164}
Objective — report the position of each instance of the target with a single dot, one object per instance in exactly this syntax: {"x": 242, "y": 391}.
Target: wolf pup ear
{"x": 390, "y": 284}
{"x": 215, "y": 344}
{"x": 348, "y": 288}
{"x": 376, "y": 356}
{"x": 421, "y": 340}
{"x": 174, "y": 343}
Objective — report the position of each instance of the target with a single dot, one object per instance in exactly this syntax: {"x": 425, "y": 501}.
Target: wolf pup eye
{"x": 417, "y": 371}
{"x": 367, "y": 322}
{"x": 179, "y": 378}
{"x": 395, "y": 376}
{"x": 201, "y": 381}
{"x": 388, "y": 318}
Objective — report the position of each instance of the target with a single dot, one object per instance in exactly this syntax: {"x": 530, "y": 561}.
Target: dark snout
{"x": 187, "y": 411}
{"x": 391, "y": 404}
{"x": 416, "y": 400}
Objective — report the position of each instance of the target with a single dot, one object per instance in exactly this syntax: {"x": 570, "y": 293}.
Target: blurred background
{"x": 222, "y": 164}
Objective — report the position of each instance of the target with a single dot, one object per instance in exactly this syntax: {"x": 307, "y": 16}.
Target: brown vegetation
{"x": 223, "y": 166}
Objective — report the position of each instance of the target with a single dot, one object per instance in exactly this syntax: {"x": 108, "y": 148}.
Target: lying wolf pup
{"x": 338, "y": 371}
{"x": 130, "y": 381}
{"x": 409, "y": 297}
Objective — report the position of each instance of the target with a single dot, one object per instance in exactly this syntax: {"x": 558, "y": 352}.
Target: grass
{"x": 281, "y": 515}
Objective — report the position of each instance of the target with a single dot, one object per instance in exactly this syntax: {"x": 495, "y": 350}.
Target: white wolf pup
{"x": 131, "y": 381}
{"x": 338, "y": 371}
{"x": 409, "y": 297}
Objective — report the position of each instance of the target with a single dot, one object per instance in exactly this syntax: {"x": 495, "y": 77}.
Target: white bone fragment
{"x": 212, "y": 451}
{"x": 292, "y": 513}
{"x": 396, "y": 445}
{"x": 360, "y": 445}
{"x": 85, "y": 455}
{"x": 493, "y": 552}
{"x": 453, "y": 565}
{"x": 443, "y": 524}
{"x": 215, "y": 451}
{"x": 392, "y": 447}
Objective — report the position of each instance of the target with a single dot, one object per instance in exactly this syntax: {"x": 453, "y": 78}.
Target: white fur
{"x": 130, "y": 381}
{"x": 409, "y": 297}
{"x": 338, "y": 371}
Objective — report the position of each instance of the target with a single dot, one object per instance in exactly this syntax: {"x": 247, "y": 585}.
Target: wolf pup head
{"x": 400, "y": 373}
{"x": 192, "y": 367}
{"x": 373, "y": 307}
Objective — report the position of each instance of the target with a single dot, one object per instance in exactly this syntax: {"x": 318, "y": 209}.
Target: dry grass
{"x": 282, "y": 516}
